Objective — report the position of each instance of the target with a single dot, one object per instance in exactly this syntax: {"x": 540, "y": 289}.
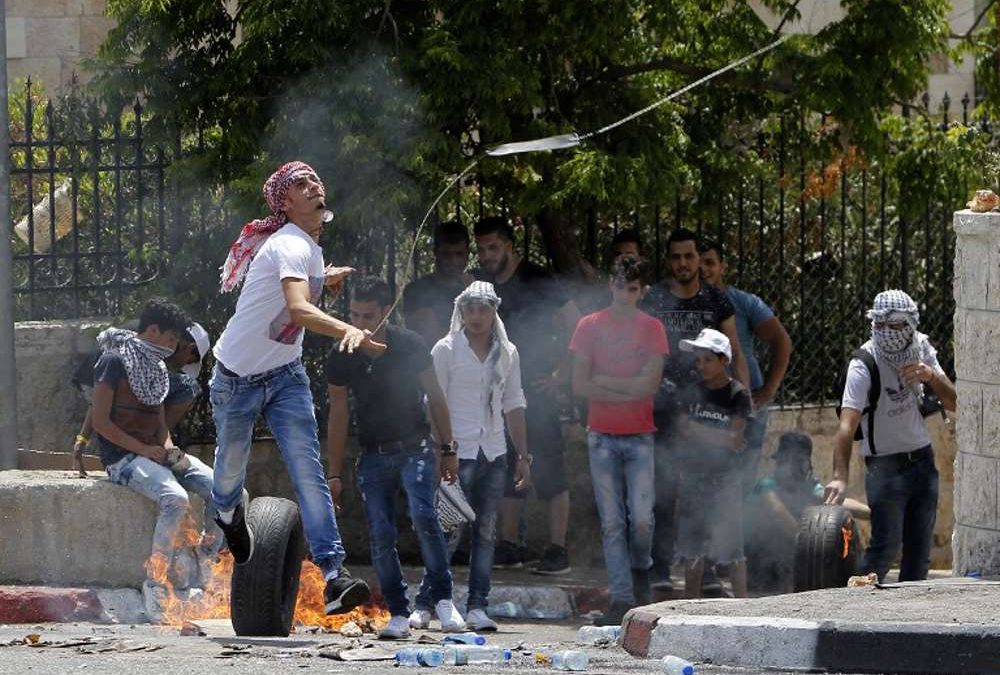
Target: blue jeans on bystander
{"x": 482, "y": 482}
{"x": 379, "y": 477}
{"x": 621, "y": 470}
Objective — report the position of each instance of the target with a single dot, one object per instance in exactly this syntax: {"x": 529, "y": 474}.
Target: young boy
{"x": 712, "y": 416}
{"x": 617, "y": 364}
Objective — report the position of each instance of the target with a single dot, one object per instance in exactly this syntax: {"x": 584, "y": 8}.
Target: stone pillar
{"x": 976, "y": 540}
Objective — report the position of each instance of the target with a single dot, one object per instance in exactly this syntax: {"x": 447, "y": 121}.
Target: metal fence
{"x": 102, "y": 221}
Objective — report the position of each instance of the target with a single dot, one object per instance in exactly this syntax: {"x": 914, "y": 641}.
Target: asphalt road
{"x": 99, "y": 649}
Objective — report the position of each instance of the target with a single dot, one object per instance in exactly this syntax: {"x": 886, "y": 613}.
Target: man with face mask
{"x": 901, "y": 480}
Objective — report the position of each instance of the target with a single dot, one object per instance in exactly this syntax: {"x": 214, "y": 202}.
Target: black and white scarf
{"x": 144, "y": 367}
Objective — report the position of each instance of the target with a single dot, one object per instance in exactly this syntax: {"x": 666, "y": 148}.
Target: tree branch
{"x": 619, "y": 72}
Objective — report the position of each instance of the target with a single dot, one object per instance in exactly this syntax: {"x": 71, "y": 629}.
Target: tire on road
{"x": 264, "y": 590}
{"x": 827, "y": 548}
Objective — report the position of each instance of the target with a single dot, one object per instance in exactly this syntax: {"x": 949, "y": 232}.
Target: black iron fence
{"x": 102, "y": 221}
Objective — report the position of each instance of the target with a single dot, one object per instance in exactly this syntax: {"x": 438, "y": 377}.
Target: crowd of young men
{"x": 469, "y": 392}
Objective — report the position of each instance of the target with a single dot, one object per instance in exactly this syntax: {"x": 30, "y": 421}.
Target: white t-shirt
{"x": 899, "y": 426}
{"x": 260, "y": 336}
{"x": 467, "y": 384}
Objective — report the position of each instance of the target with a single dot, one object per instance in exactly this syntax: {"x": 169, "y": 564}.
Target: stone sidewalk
{"x": 947, "y": 626}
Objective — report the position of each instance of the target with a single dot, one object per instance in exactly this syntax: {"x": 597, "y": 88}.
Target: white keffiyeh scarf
{"x": 144, "y": 367}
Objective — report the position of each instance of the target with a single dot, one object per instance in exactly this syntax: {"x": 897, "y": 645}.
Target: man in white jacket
{"x": 479, "y": 371}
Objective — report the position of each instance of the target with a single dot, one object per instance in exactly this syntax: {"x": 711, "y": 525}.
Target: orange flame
{"x": 847, "y": 532}
{"x": 214, "y": 602}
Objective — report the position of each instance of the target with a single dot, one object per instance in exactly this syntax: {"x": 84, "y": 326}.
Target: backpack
{"x": 873, "y": 394}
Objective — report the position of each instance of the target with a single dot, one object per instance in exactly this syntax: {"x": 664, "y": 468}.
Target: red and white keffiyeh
{"x": 256, "y": 232}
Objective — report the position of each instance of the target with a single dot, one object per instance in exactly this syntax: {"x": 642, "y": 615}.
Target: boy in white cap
{"x": 711, "y": 419}
{"x": 887, "y": 381}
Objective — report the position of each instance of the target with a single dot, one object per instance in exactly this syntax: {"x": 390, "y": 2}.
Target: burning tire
{"x": 826, "y": 548}
{"x": 264, "y": 590}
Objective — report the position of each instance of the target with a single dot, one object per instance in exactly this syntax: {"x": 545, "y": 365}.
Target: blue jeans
{"x": 169, "y": 490}
{"x": 902, "y": 493}
{"x": 282, "y": 395}
{"x": 621, "y": 470}
{"x": 379, "y": 476}
{"x": 483, "y": 482}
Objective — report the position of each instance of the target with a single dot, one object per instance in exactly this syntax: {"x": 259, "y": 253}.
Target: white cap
{"x": 711, "y": 340}
{"x": 202, "y": 344}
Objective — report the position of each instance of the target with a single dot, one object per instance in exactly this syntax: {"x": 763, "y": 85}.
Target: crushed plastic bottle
{"x": 461, "y": 655}
{"x": 570, "y": 659}
{"x": 468, "y": 638}
{"x": 427, "y": 657}
{"x": 592, "y": 635}
{"x": 675, "y": 665}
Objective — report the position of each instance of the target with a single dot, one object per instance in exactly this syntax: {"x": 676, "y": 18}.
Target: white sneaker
{"x": 398, "y": 628}
{"x": 477, "y": 620}
{"x": 420, "y": 619}
{"x": 451, "y": 620}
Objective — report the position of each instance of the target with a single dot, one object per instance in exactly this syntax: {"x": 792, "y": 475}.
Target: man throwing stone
{"x": 258, "y": 371}
{"x": 901, "y": 480}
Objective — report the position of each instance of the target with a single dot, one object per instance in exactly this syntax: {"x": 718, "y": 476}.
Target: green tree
{"x": 390, "y": 99}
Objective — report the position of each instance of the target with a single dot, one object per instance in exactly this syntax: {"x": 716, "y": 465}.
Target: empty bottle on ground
{"x": 468, "y": 638}
{"x": 592, "y": 635}
{"x": 461, "y": 655}
{"x": 420, "y": 656}
{"x": 570, "y": 659}
{"x": 675, "y": 665}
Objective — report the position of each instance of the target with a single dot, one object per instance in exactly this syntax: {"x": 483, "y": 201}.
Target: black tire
{"x": 264, "y": 590}
{"x": 821, "y": 560}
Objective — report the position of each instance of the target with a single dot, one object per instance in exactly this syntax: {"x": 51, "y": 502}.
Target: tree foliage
{"x": 390, "y": 99}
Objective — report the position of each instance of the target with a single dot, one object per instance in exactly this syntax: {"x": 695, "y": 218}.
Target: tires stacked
{"x": 264, "y": 590}
{"x": 827, "y": 548}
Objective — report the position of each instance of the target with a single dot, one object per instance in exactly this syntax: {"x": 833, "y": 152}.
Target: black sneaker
{"x": 239, "y": 538}
{"x": 345, "y": 593}
{"x": 555, "y": 560}
{"x": 614, "y": 615}
{"x": 711, "y": 587}
{"x": 507, "y": 556}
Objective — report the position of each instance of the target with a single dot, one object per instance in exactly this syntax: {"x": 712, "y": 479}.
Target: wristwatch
{"x": 449, "y": 449}
{"x": 526, "y": 457}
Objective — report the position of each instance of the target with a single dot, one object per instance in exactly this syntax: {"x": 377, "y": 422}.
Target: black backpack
{"x": 873, "y": 394}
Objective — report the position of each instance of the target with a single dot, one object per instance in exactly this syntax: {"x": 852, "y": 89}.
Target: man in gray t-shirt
{"x": 901, "y": 481}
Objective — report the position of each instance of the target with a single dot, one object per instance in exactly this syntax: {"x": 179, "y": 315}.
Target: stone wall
{"x": 977, "y": 362}
{"x": 48, "y": 40}
{"x": 49, "y": 408}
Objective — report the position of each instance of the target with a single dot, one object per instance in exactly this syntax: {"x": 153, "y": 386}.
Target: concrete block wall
{"x": 49, "y": 408}
{"x": 976, "y": 541}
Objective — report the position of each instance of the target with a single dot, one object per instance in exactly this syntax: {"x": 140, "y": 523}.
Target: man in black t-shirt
{"x": 540, "y": 318}
{"x": 429, "y": 301}
{"x": 685, "y": 306}
{"x": 396, "y": 448}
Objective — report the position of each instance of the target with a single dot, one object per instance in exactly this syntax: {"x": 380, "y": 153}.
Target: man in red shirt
{"x": 617, "y": 364}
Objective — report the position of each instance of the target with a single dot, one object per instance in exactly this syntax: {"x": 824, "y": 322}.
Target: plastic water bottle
{"x": 461, "y": 655}
{"x": 505, "y": 610}
{"x": 592, "y": 635}
{"x": 570, "y": 659}
{"x": 420, "y": 656}
{"x": 675, "y": 665}
{"x": 469, "y": 638}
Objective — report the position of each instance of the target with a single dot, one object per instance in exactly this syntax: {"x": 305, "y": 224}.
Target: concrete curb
{"x": 772, "y": 642}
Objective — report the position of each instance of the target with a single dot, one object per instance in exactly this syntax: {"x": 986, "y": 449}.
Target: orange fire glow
{"x": 214, "y": 603}
{"x": 847, "y": 532}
